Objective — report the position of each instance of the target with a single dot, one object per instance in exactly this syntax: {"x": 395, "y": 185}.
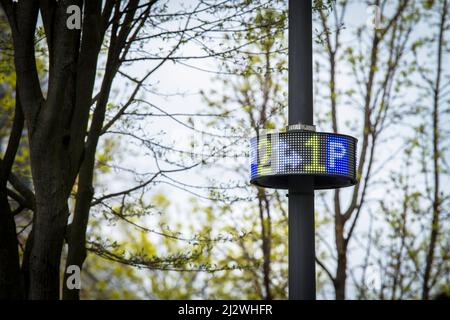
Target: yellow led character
{"x": 264, "y": 155}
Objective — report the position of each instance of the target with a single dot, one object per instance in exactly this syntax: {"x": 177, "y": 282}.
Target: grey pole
{"x": 302, "y": 277}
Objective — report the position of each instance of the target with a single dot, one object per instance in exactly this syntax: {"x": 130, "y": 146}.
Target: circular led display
{"x": 278, "y": 157}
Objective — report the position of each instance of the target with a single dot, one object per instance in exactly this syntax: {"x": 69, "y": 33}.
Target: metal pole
{"x": 302, "y": 277}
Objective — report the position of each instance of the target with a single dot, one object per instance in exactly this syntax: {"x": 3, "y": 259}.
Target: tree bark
{"x": 49, "y": 148}
{"x": 77, "y": 235}
{"x": 11, "y": 281}
{"x": 51, "y": 219}
{"x": 341, "y": 269}
{"x": 266, "y": 235}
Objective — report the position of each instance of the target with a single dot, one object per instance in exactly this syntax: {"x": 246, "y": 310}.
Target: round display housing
{"x": 279, "y": 158}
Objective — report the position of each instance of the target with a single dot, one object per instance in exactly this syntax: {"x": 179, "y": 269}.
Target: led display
{"x": 329, "y": 157}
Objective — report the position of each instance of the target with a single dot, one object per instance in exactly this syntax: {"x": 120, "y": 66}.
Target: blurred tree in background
{"x": 374, "y": 70}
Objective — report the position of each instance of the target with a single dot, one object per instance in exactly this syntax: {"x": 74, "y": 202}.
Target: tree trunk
{"x": 77, "y": 235}
{"x": 341, "y": 269}
{"x": 265, "y": 244}
{"x": 11, "y": 282}
{"x": 51, "y": 217}
{"x": 436, "y": 156}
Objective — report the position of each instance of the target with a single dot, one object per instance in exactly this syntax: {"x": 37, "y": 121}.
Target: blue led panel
{"x": 329, "y": 157}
